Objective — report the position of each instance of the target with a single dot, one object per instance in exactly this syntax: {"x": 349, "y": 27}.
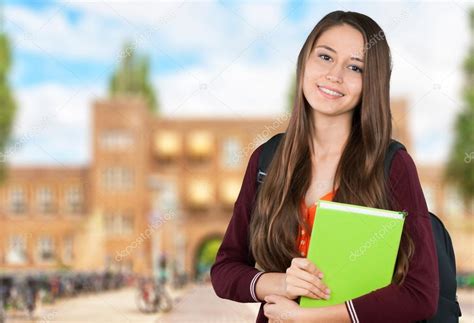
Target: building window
{"x": 116, "y": 140}
{"x": 68, "y": 249}
{"x": 109, "y": 224}
{"x": 127, "y": 224}
{"x": 200, "y": 193}
{"x": 231, "y": 156}
{"x": 17, "y": 200}
{"x": 200, "y": 146}
{"x": 45, "y": 249}
{"x": 229, "y": 191}
{"x": 167, "y": 145}
{"x": 118, "y": 224}
{"x": 16, "y": 250}
{"x": 45, "y": 200}
{"x": 117, "y": 179}
{"x": 74, "y": 200}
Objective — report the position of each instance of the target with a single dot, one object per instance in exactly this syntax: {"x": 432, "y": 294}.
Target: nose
{"x": 333, "y": 78}
{"x": 334, "y": 75}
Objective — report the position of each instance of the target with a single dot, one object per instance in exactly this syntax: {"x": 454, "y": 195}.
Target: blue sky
{"x": 245, "y": 52}
{"x": 48, "y": 66}
{"x": 63, "y": 69}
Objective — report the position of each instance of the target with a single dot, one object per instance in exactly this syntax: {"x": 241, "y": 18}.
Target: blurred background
{"x": 126, "y": 128}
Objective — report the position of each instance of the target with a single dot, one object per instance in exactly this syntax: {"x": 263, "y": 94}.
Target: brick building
{"x": 155, "y": 186}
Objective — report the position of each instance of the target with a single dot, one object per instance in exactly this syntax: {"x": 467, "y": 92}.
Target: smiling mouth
{"x": 330, "y": 93}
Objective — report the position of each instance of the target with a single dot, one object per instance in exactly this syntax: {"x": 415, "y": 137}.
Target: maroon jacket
{"x": 234, "y": 276}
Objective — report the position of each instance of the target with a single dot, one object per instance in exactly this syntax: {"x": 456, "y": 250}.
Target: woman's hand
{"x": 280, "y": 309}
{"x": 302, "y": 278}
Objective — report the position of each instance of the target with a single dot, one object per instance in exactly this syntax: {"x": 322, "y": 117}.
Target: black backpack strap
{"x": 266, "y": 156}
{"x": 448, "y": 307}
{"x": 393, "y": 147}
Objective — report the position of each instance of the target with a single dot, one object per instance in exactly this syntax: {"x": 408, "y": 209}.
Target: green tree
{"x": 7, "y": 103}
{"x": 133, "y": 77}
{"x": 460, "y": 167}
{"x": 207, "y": 255}
{"x": 209, "y": 251}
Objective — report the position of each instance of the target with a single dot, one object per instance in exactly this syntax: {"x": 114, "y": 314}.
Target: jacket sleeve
{"x": 417, "y": 297}
{"x": 233, "y": 274}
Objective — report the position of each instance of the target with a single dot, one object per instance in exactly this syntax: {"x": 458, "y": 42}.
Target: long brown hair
{"x": 276, "y": 214}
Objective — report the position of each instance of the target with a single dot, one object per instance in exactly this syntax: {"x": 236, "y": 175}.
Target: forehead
{"x": 344, "y": 39}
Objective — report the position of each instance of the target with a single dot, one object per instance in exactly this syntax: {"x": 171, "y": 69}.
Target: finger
{"x": 267, "y": 310}
{"x": 300, "y": 274}
{"x": 270, "y": 299}
{"x": 307, "y": 265}
{"x": 273, "y": 298}
{"x": 305, "y": 292}
{"x": 296, "y": 286}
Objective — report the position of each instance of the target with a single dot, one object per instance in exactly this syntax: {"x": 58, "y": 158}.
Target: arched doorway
{"x": 205, "y": 256}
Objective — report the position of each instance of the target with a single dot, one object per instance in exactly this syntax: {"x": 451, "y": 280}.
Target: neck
{"x": 331, "y": 135}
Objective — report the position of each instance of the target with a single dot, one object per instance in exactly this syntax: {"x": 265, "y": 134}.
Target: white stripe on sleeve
{"x": 252, "y": 286}
{"x": 352, "y": 312}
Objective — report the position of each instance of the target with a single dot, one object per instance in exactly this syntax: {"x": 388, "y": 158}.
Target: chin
{"x": 328, "y": 110}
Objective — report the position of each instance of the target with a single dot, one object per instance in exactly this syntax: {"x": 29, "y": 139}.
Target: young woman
{"x": 333, "y": 149}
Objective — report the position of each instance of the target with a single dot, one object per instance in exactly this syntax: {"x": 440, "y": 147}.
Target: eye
{"x": 324, "y": 57}
{"x": 356, "y": 69}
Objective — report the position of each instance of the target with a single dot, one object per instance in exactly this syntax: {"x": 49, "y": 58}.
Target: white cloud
{"x": 240, "y": 90}
{"x": 211, "y": 29}
{"x": 262, "y": 16}
{"x": 52, "y": 125}
{"x": 424, "y": 60}
{"x": 50, "y": 33}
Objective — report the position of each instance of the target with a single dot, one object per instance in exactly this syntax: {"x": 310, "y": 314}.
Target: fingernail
{"x": 320, "y": 275}
{"x": 328, "y": 291}
{"x": 326, "y": 297}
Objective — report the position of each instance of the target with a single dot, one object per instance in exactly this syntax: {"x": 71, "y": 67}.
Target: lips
{"x": 329, "y": 94}
{"x": 330, "y": 90}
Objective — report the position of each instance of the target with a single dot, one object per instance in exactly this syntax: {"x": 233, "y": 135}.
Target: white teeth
{"x": 330, "y": 92}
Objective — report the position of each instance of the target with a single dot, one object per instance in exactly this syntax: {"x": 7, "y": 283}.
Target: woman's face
{"x": 336, "y": 63}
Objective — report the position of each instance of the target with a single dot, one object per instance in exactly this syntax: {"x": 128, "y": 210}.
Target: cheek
{"x": 307, "y": 84}
{"x": 311, "y": 76}
{"x": 316, "y": 70}
{"x": 355, "y": 87}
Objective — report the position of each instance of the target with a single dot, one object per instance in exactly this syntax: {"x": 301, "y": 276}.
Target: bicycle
{"x": 153, "y": 297}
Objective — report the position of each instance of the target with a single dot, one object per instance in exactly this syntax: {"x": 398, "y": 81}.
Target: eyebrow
{"x": 354, "y": 58}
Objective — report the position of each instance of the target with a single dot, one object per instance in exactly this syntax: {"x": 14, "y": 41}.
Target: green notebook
{"x": 355, "y": 247}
